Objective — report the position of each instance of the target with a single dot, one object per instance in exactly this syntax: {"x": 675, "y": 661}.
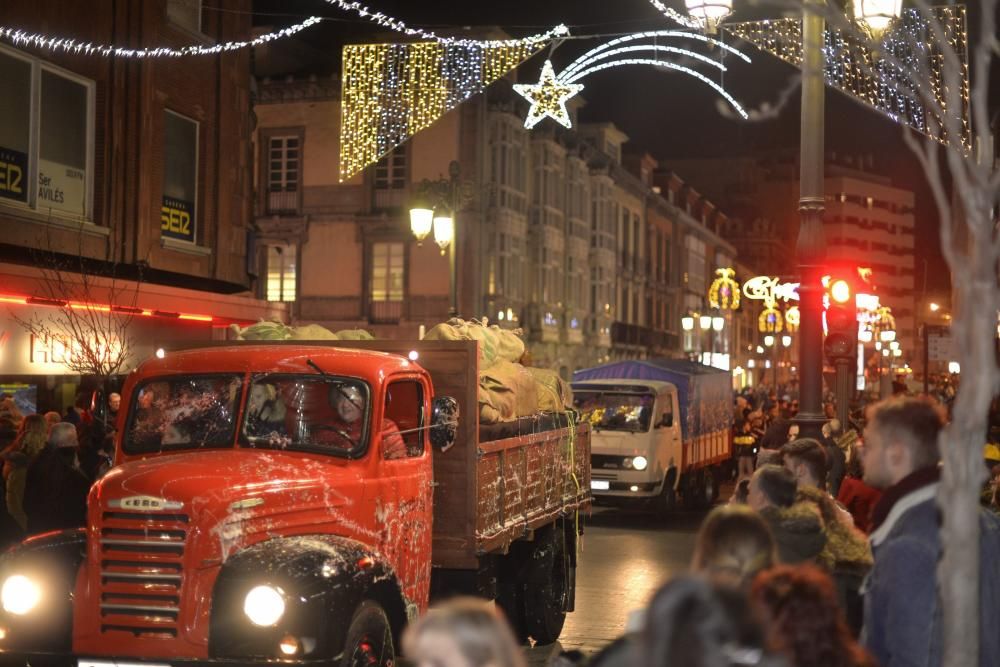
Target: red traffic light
{"x": 840, "y": 290}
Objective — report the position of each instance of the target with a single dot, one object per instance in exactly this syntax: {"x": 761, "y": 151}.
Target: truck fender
{"x": 53, "y": 561}
{"x": 324, "y": 578}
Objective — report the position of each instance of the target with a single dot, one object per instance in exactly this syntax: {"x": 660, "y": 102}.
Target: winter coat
{"x": 859, "y": 499}
{"x": 836, "y": 463}
{"x": 798, "y": 532}
{"x": 15, "y": 470}
{"x": 902, "y": 608}
{"x": 55, "y": 496}
{"x": 846, "y": 547}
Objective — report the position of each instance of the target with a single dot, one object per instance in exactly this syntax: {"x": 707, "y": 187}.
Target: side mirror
{"x": 444, "y": 422}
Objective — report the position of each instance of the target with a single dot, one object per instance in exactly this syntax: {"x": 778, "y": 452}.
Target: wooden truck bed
{"x": 490, "y": 493}
{"x": 707, "y": 449}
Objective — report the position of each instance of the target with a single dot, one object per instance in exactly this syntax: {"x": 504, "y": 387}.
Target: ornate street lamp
{"x": 421, "y": 219}
{"x": 710, "y": 13}
{"x": 705, "y": 322}
{"x": 687, "y": 323}
{"x": 877, "y": 15}
{"x": 444, "y": 230}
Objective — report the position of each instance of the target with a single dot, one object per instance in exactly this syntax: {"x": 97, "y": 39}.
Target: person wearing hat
{"x": 55, "y": 491}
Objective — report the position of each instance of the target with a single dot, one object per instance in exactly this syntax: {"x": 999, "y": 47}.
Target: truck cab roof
{"x": 624, "y": 386}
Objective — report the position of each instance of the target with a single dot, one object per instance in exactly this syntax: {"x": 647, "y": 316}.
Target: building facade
{"x": 126, "y": 183}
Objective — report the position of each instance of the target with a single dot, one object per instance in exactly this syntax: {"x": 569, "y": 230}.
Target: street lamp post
{"x": 771, "y": 343}
{"x": 436, "y": 207}
{"x": 717, "y": 324}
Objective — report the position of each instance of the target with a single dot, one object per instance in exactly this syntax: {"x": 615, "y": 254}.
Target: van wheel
{"x": 369, "y": 638}
{"x": 547, "y": 592}
{"x": 708, "y": 487}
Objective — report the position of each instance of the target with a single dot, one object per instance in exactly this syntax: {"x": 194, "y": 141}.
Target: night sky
{"x": 669, "y": 114}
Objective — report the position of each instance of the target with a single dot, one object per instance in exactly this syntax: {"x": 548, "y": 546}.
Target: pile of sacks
{"x": 507, "y": 389}
{"x": 277, "y": 331}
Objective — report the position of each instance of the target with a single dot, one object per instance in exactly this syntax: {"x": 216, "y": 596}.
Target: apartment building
{"x": 132, "y": 174}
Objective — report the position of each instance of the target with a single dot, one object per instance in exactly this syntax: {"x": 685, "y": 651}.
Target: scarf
{"x": 915, "y": 480}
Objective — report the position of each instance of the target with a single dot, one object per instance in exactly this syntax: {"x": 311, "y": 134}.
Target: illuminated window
{"x": 387, "y": 271}
{"x": 46, "y": 149}
{"x": 281, "y": 273}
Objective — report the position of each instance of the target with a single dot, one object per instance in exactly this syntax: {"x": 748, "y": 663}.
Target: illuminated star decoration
{"x": 548, "y": 97}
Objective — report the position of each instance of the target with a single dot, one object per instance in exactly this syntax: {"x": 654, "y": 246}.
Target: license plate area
{"x": 595, "y": 485}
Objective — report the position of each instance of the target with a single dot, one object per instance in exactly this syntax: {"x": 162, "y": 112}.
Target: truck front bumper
{"x": 625, "y": 490}
{"x": 11, "y": 659}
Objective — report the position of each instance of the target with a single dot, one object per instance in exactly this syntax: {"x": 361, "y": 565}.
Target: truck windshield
{"x": 183, "y": 412}
{"x": 318, "y": 413}
{"x": 610, "y": 411}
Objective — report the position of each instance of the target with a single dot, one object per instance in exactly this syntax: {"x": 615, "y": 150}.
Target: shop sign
{"x": 13, "y": 174}
{"x": 177, "y": 219}
{"x": 62, "y": 187}
{"x": 62, "y": 350}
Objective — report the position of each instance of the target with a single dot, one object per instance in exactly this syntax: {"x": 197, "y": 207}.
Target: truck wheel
{"x": 708, "y": 491}
{"x": 545, "y": 603}
{"x": 666, "y": 502}
{"x": 369, "y": 638}
{"x": 510, "y": 598}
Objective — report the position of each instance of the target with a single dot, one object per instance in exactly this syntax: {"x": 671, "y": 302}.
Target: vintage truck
{"x": 662, "y": 429}
{"x": 300, "y": 503}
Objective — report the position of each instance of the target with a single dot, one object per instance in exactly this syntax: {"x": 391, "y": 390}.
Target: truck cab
{"x": 267, "y": 503}
{"x": 636, "y": 443}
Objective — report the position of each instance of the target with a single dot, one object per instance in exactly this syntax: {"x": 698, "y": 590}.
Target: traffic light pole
{"x": 811, "y": 246}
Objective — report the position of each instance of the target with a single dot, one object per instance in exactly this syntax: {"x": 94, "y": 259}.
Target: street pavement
{"x": 625, "y": 557}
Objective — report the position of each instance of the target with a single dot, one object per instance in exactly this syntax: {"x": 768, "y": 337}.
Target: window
{"x": 390, "y": 171}
{"x": 46, "y": 136}
{"x": 402, "y": 426}
{"x": 180, "y": 178}
{"x": 284, "y": 160}
{"x": 185, "y": 13}
{"x": 281, "y": 273}
{"x": 387, "y": 272}
{"x": 183, "y": 412}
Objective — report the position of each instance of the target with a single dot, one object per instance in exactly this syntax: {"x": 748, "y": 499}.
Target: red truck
{"x": 301, "y": 503}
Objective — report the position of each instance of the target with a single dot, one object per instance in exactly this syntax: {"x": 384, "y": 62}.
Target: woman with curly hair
{"x": 463, "y": 632}
{"x": 804, "y": 621}
{"x": 30, "y": 441}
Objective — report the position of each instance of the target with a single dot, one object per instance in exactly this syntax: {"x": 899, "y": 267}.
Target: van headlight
{"x": 264, "y": 606}
{"x": 640, "y": 463}
{"x": 19, "y": 595}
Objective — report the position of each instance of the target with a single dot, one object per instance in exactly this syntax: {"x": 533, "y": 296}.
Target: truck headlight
{"x": 19, "y": 595}
{"x": 264, "y": 606}
{"x": 640, "y": 463}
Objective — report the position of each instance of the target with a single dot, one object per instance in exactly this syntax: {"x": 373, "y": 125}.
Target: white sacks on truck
{"x": 264, "y": 330}
{"x": 507, "y": 390}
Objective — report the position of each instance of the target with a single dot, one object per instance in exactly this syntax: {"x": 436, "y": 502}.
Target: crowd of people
{"x": 788, "y": 573}
{"x": 49, "y": 462}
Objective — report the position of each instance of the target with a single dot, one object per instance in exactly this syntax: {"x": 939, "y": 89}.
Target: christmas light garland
{"x": 674, "y": 15}
{"x": 69, "y": 45}
{"x": 887, "y": 84}
{"x": 399, "y": 26}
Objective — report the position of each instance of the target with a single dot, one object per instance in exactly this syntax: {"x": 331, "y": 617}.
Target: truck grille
{"x": 142, "y": 572}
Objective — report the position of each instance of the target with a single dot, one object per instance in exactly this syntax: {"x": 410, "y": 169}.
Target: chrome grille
{"x": 142, "y": 572}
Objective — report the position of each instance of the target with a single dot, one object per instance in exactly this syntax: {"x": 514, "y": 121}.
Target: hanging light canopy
{"x": 710, "y": 13}
{"x": 877, "y": 15}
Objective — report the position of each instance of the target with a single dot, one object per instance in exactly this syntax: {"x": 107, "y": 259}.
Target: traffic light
{"x": 841, "y": 344}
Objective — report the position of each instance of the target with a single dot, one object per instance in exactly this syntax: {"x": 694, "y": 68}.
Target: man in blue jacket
{"x": 902, "y": 620}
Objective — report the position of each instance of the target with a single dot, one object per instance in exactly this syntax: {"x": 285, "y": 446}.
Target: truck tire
{"x": 708, "y": 488}
{"x": 545, "y": 603}
{"x": 369, "y": 638}
{"x": 666, "y": 502}
{"x": 510, "y": 599}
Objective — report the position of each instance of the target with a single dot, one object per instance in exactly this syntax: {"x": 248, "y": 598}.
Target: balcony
{"x": 385, "y": 312}
{"x": 282, "y": 202}
{"x": 387, "y": 199}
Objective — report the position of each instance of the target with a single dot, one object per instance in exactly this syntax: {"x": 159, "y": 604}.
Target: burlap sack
{"x": 554, "y": 393}
{"x": 510, "y": 389}
{"x": 510, "y": 347}
{"x": 261, "y": 331}
{"x": 354, "y": 334}
{"x": 312, "y": 332}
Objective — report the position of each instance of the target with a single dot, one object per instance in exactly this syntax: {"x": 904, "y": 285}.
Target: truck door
{"x": 403, "y": 504}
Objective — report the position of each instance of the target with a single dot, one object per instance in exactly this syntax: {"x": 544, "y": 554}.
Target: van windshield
{"x": 612, "y": 411}
{"x": 183, "y": 412}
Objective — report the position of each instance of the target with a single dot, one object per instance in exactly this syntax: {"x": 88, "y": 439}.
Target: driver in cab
{"x": 350, "y": 406}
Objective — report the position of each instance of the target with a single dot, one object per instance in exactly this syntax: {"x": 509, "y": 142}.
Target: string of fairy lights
{"x": 883, "y": 79}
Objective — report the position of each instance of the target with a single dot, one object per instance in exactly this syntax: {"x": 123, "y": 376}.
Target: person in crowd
{"x": 741, "y": 410}
{"x": 8, "y": 431}
{"x": 55, "y": 492}
{"x": 9, "y": 410}
{"x": 836, "y": 461}
{"x": 114, "y": 404}
{"x": 902, "y": 606}
{"x": 463, "y": 632}
{"x": 733, "y": 545}
{"x": 30, "y": 440}
{"x": 741, "y": 493}
{"x": 52, "y": 418}
{"x": 745, "y": 443}
{"x": 857, "y": 497}
{"x": 797, "y": 528}
{"x": 350, "y": 406}
{"x": 693, "y": 623}
{"x": 846, "y": 554}
{"x": 803, "y": 619}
